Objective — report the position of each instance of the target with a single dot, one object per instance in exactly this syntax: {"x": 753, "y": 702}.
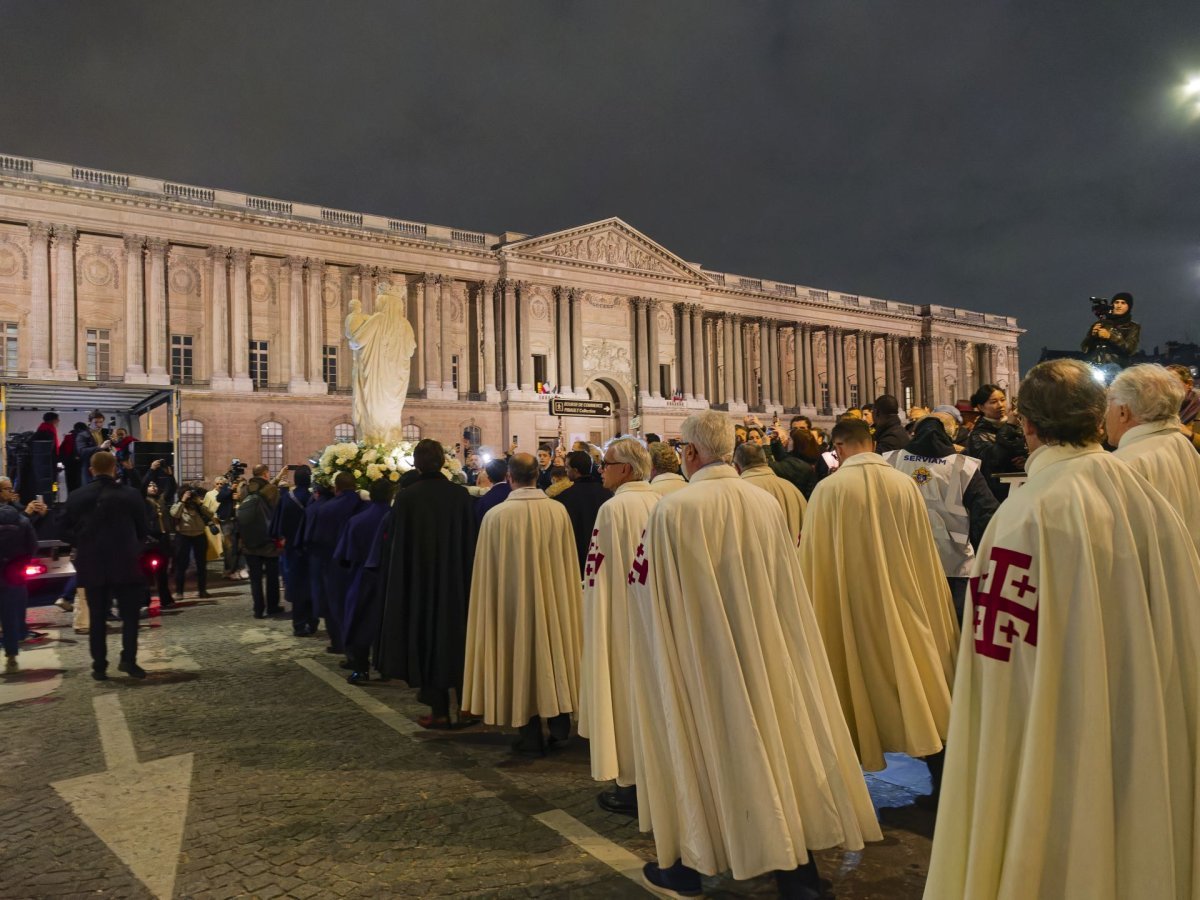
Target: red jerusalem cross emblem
{"x": 1005, "y": 600}
{"x": 640, "y": 569}
{"x": 594, "y": 560}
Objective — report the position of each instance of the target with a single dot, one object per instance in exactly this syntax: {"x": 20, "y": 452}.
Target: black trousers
{"x": 128, "y": 598}
{"x": 162, "y": 575}
{"x": 195, "y": 546}
{"x": 264, "y": 568}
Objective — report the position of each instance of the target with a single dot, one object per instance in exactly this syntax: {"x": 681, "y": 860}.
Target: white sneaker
{"x": 64, "y": 604}
{"x": 243, "y": 574}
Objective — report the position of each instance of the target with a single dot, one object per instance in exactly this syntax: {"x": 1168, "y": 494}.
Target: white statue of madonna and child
{"x": 383, "y": 344}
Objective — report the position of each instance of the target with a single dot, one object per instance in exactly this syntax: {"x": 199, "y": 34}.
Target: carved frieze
{"x": 185, "y": 276}
{"x": 605, "y": 356}
{"x": 98, "y": 267}
{"x": 264, "y": 280}
{"x": 14, "y": 261}
{"x": 666, "y": 323}
{"x": 602, "y": 301}
{"x": 608, "y": 248}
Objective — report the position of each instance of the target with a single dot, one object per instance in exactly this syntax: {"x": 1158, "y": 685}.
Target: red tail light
{"x": 34, "y": 569}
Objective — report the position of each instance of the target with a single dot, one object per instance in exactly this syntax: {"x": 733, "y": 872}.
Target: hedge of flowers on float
{"x": 369, "y": 463}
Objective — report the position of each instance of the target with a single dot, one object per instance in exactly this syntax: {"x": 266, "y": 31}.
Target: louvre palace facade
{"x": 239, "y": 302}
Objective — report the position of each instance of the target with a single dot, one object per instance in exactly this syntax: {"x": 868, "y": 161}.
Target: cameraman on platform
{"x": 1115, "y": 337}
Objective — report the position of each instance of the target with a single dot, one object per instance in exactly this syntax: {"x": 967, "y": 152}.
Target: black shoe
{"x": 132, "y": 669}
{"x": 802, "y": 882}
{"x": 677, "y": 881}
{"x": 278, "y": 613}
{"x": 167, "y": 605}
{"x": 333, "y": 649}
{"x": 619, "y": 800}
{"x": 358, "y": 677}
{"x": 301, "y": 632}
{"x": 204, "y": 595}
{"x": 99, "y": 675}
{"x": 259, "y": 615}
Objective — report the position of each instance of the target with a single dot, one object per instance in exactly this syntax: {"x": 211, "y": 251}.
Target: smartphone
{"x": 292, "y": 468}
{"x": 38, "y": 498}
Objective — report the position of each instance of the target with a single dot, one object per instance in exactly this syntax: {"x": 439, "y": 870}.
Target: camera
{"x": 1102, "y": 307}
{"x": 237, "y": 469}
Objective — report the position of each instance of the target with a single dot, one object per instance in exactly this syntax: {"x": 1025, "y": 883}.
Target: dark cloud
{"x": 1005, "y": 156}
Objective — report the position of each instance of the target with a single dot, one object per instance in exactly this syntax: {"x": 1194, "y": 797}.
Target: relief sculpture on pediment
{"x": 608, "y": 248}
{"x": 603, "y": 356}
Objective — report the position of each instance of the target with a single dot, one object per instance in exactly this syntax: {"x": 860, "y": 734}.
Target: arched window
{"x": 270, "y": 443}
{"x": 472, "y": 436}
{"x": 191, "y": 450}
{"x": 411, "y": 432}
{"x": 343, "y": 433}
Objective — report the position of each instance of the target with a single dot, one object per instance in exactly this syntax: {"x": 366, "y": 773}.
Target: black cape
{"x": 583, "y": 500}
{"x": 426, "y": 560}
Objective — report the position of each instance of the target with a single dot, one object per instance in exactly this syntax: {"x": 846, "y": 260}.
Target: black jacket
{"x": 794, "y": 468}
{"x": 583, "y": 500}
{"x": 17, "y": 543}
{"x": 1124, "y": 342}
{"x": 106, "y": 523}
{"x": 254, "y": 525}
{"x": 1000, "y": 447}
{"x": 890, "y": 434}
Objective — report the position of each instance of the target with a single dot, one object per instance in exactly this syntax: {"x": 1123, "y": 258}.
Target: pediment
{"x": 612, "y": 244}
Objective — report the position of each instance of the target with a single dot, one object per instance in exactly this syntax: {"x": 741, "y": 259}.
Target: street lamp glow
{"x": 1191, "y": 87}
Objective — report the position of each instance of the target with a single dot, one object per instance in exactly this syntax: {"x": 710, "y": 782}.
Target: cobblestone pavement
{"x": 302, "y": 786}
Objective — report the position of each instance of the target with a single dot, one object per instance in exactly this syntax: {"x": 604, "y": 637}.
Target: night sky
{"x": 1006, "y": 157}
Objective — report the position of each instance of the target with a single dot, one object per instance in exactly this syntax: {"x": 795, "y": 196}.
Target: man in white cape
{"x": 605, "y": 701}
{"x": 750, "y": 460}
{"x": 1072, "y": 760}
{"x": 523, "y": 624}
{"x": 882, "y": 603}
{"x": 744, "y": 762}
{"x": 664, "y": 469}
{"x": 1142, "y": 422}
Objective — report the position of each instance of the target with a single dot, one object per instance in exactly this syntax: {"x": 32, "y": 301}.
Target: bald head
{"x": 522, "y": 470}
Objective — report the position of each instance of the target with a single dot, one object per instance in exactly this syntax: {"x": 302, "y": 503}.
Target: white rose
{"x": 358, "y": 473}
{"x": 374, "y": 472}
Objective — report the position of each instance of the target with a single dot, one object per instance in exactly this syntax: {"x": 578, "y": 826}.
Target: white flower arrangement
{"x": 367, "y": 463}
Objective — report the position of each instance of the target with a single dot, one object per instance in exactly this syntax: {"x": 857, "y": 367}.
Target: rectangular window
{"x": 454, "y": 371}
{"x": 908, "y": 398}
{"x": 8, "y": 348}
{"x": 824, "y": 395}
{"x": 539, "y": 371}
{"x": 259, "y": 364}
{"x": 329, "y": 365}
{"x": 854, "y": 395}
{"x": 181, "y": 359}
{"x": 98, "y": 349}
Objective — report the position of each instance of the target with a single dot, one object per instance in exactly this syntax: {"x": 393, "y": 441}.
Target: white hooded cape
{"x": 883, "y": 606}
{"x": 1071, "y": 765}
{"x": 786, "y": 494}
{"x": 1163, "y": 456}
{"x": 523, "y": 626}
{"x": 743, "y": 757}
{"x": 605, "y": 702}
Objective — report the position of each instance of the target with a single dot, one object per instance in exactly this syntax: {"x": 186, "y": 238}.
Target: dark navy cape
{"x": 351, "y": 554}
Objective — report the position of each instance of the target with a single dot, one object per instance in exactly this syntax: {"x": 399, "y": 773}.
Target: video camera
{"x": 237, "y": 469}
{"x": 1102, "y": 307}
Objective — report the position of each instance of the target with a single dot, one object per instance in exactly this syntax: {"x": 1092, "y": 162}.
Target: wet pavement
{"x": 244, "y": 765}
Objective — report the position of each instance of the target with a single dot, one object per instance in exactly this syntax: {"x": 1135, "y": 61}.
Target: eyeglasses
{"x": 605, "y": 463}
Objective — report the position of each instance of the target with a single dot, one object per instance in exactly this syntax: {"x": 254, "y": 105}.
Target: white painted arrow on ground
{"x": 137, "y": 809}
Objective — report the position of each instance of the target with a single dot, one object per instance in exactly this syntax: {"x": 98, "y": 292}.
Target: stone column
{"x": 63, "y": 314}
{"x": 39, "y": 300}
{"x": 686, "y": 385}
{"x": 839, "y": 349}
{"x": 524, "y": 337}
{"x": 804, "y": 365}
{"x": 487, "y": 338}
{"x": 315, "y": 314}
{"x": 135, "y": 323}
{"x": 898, "y": 369}
{"x": 293, "y": 325}
{"x": 446, "y": 338}
{"x": 219, "y": 379}
{"x": 1014, "y": 369}
{"x": 577, "y": 378}
{"x": 562, "y": 353}
{"x": 775, "y": 368}
{"x": 637, "y": 308}
{"x": 156, "y": 313}
{"x": 430, "y": 303}
{"x": 764, "y": 365}
{"x": 509, "y": 312}
{"x": 366, "y": 288}
{"x": 918, "y": 374}
{"x": 730, "y": 380}
{"x": 239, "y": 327}
{"x": 700, "y": 390}
{"x": 652, "y": 348}
{"x": 739, "y": 360}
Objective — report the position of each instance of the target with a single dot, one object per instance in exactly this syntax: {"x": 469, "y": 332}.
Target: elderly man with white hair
{"x": 744, "y": 760}
{"x": 1142, "y": 422}
{"x": 605, "y": 703}
{"x": 750, "y": 460}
